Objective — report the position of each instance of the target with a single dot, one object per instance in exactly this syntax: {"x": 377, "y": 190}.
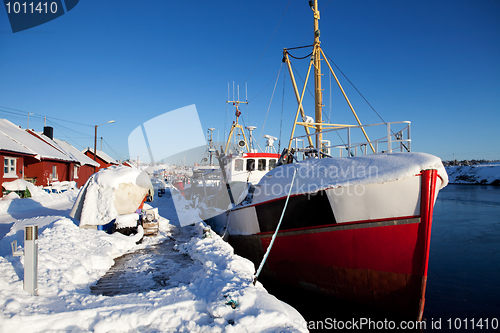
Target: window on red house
{"x": 9, "y": 167}
{"x": 54, "y": 172}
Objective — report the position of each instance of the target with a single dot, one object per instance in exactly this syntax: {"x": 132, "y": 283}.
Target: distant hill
{"x": 483, "y": 174}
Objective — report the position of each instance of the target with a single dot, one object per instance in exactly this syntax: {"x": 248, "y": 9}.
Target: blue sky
{"x": 435, "y": 63}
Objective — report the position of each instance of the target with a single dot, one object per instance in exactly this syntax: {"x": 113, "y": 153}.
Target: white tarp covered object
{"x": 117, "y": 190}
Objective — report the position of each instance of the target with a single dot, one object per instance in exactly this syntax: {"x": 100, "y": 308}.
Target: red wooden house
{"x": 127, "y": 163}
{"x": 37, "y": 158}
{"x": 102, "y": 158}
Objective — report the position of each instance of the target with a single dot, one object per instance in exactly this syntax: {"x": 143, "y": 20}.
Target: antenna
{"x": 250, "y": 130}
{"x": 270, "y": 143}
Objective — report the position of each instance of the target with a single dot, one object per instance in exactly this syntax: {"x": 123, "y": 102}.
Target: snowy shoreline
{"x": 71, "y": 260}
{"x": 480, "y": 174}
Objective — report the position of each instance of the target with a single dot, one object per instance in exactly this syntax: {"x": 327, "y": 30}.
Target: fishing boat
{"x": 355, "y": 227}
{"x": 240, "y": 165}
{"x": 242, "y": 161}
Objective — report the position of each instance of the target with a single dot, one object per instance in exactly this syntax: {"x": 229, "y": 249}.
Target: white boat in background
{"x": 242, "y": 163}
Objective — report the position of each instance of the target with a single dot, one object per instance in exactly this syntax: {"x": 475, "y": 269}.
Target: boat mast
{"x": 315, "y": 61}
{"x": 318, "y": 95}
{"x": 236, "y": 126}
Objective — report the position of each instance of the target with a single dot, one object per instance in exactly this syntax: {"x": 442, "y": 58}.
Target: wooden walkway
{"x": 154, "y": 268}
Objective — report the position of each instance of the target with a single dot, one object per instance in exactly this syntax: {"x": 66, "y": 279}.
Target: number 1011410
{"x": 32, "y": 7}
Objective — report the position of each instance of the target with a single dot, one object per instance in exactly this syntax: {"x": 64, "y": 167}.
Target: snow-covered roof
{"x": 24, "y": 142}
{"x": 102, "y": 155}
{"x": 68, "y": 149}
{"x": 9, "y": 144}
{"x": 76, "y": 154}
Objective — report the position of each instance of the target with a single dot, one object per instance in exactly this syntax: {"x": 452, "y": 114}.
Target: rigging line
{"x": 269, "y": 107}
{"x": 267, "y": 85}
{"x": 225, "y": 121}
{"x": 273, "y": 238}
{"x": 300, "y": 58}
{"x": 269, "y": 41}
{"x": 282, "y": 106}
{"x": 362, "y": 96}
{"x": 299, "y": 47}
{"x": 310, "y": 92}
{"x": 355, "y": 88}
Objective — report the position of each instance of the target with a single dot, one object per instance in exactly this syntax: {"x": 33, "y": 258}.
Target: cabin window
{"x": 9, "y": 167}
{"x": 262, "y": 164}
{"x": 54, "y": 172}
{"x": 238, "y": 165}
{"x": 75, "y": 171}
{"x": 272, "y": 163}
{"x": 250, "y": 164}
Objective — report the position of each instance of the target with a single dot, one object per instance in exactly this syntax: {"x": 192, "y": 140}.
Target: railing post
{"x": 409, "y": 139}
{"x": 389, "y": 143}
{"x": 348, "y": 142}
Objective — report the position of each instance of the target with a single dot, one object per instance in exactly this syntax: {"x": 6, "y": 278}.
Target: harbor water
{"x": 463, "y": 287}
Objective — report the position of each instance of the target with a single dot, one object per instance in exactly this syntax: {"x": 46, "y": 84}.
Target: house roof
{"x": 76, "y": 154}
{"x": 66, "y": 148}
{"x": 102, "y": 155}
{"x": 17, "y": 140}
{"x": 9, "y": 144}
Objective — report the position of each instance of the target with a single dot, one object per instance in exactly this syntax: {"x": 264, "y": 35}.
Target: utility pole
{"x": 28, "y": 126}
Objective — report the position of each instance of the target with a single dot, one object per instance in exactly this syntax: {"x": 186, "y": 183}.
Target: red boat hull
{"x": 382, "y": 263}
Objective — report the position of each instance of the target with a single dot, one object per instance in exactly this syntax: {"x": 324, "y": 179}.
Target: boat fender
{"x": 225, "y": 234}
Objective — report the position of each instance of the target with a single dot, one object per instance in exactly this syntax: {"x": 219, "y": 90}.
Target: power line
{"x": 116, "y": 154}
{"x": 25, "y": 113}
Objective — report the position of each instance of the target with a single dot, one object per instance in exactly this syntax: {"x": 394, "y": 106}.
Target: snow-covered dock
{"x": 72, "y": 260}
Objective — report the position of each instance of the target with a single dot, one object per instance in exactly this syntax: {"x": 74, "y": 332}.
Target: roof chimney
{"x": 49, "y": 132}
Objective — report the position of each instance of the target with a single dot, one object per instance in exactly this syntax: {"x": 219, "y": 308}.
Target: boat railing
{"x": 396, "y": 137}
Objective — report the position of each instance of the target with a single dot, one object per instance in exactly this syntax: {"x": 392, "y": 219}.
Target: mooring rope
{"x": 256, "y": 276}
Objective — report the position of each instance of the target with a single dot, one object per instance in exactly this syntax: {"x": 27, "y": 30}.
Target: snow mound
{"x": 21, "y": 185}
{"x": 11, "y": 196}
{"x": 127, "y": 220}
